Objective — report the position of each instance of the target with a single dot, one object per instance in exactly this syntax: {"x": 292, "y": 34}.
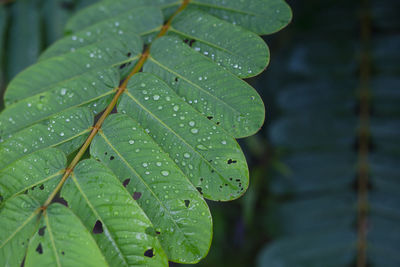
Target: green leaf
{"x": 119, "y": 226}
{"x": 105, "y": 10}
{"x": 47, "y": 74}
{"x": 37, "y": 174}
{"x": 250, "y": 14}
{"x": 211, "y": 160}
{"x": 66, "y": 131}
{"x": 18, "y": 222}
{"x": 127, "y": 23}
{"x": 213, "y": 91}
{"x": 93, "y": 89}
{"x": 225, "y": 44}
{"x": 165, "y": 194}
{"x": 62, "y": 240}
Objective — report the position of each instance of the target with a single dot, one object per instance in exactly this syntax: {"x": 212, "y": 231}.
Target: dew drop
{"x": 201, "y": 147}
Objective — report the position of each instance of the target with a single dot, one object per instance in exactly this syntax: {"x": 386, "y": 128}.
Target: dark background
{"x": 325, "y": 180}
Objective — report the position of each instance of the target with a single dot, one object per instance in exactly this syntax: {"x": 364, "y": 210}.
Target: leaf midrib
{"x": 48, "y": 87}
{"x": 115, "y": 245}
{"x": 46, "y": 218}
{"x": 35, "y": 184}
{"x": 150, "y": 190}
{"x": 61, "y": 111}
{"x": 193, "y": 84}
{"x": 34, "y": 213}
{"x": 177, "y": 135}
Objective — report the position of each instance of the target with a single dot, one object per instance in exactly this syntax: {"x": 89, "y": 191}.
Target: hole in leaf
{"x": 237, "y": 180}
{"x": 105, "y": 153}
{"x": 33, "y": 187}
{"x": 187, "y": 202}
{"x": 186, "y": 41}
{"x": 1, "y": 198}
{"x": 62, "y": 253}
{"x": 98, "y": 228}
{"x": 176, "y": 79}
{"x": 153, "y": 232}
{"x": 23, "y": 262}
{"x": 218, "y": 123}
{"x": 200, "y": 190}
{"x": 112, "y": 158}
{"x": 41, "y": 187}
{"x": 61, "y": 201}
{"x": 129, "y": 54}
{"x": 39, "y": 249}
{"x": 122, "y": 66}
{"x": 230, "y": 161}
{"x": 149, "y": 253}
{"x": 210, "y": 117}
{"x": 126, "y": 182}
{"x": 136, "y": 195}
{"x": 192, "y": 42}
{"x": 41, "y": 231}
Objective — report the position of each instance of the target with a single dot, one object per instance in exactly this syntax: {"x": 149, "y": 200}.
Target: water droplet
{"x": 156, "y": 97}
{"x": 194, "y": 130}
{"x": 186, "y": 155}
{"x": 201, "y": 147}
{"x": 165, "y": 173}
{"x": 131, "y": 142}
